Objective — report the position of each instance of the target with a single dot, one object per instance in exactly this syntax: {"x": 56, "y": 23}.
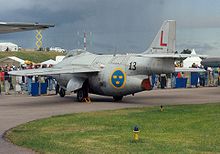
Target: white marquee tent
{"x": 188, "y": 62}
{"x": 11, "y": 61}
{"x": 49, "y": 62}
{"x": 8, "y": 46}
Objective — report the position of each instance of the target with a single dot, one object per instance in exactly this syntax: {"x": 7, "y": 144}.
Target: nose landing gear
{"x": 62, "y": 92}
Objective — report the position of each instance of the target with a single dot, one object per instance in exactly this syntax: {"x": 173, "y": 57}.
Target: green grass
{"x": 179, "y": 129}
{"x": 35, "y": 56}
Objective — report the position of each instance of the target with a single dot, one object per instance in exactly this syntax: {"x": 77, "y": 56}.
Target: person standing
{"x": 6, "y": 79}
{"x": 18, "y": 88}
{"x": 29, "y": 81}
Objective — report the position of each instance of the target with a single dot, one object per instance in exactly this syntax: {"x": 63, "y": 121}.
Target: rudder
{"x": 165, "y": 40}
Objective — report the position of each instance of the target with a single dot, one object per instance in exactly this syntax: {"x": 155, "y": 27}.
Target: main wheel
{"x": 117, "y": 98}
{"x": 62, "y": 92}
{"x": 80, "y": 95}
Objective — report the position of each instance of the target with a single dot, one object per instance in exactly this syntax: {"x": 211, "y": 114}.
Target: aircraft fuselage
{"x": 119, "y": 75}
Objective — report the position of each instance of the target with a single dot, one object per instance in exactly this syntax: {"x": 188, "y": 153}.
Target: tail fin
{"x": 165, "y": 40}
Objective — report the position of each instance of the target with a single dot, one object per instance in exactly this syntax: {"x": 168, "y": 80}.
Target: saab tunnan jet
{"x": 117, "y": 75}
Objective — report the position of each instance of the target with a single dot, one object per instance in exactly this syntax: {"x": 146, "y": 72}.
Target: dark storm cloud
{"x": 51, "y": 11}
{"x": 198, "y": 46}
{"x": 122, "y": 25}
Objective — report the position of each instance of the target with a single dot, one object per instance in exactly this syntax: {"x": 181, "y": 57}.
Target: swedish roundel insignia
{"x": 118, "y": 78}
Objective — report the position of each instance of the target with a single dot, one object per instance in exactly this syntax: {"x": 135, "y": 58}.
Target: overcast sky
{"x": 116, "y": 25}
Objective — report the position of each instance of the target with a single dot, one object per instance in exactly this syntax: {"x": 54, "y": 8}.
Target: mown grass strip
{"x": 34, "y": 56}
{"x": 178, "y": 129}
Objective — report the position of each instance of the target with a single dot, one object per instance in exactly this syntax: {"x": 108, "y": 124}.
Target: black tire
{"x": 57, "y": 89}
{"x": 62, "y": 92}
{"x": 117, "y": 98}
{"x": 80, "y": 95}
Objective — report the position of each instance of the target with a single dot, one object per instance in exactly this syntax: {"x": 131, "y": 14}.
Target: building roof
{"x": 8, "y": 44}
{"x": 190, "y": 60}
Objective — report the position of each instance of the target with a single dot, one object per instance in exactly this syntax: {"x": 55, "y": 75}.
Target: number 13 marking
{"x": 132, "y": 66}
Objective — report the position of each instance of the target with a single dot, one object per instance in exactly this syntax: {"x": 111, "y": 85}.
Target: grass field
{"x": 35, "y": 56}
{"x": 178, "y": 129}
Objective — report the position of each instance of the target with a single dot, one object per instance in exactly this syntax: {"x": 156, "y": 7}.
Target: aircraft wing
{"x": 55, "y": 71}
{"x": 9, "y": 27}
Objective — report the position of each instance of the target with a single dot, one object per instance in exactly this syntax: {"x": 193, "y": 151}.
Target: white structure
{"x": 59, "y": 58}
{"x": 11, "y": 61}
{"x": 57, "y": 49}
{"x": 8, "y": 46}
{"x": 53, "y": 62}
{"x": 49, "y": 62}
{"x": 190, "y": 60}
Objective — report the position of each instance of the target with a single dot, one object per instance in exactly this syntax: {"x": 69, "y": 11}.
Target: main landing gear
{"x": 83, "y": 93}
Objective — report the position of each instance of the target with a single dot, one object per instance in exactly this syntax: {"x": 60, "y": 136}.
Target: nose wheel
{"x": 62, "y": 92}
{"x": 57, "y": 89}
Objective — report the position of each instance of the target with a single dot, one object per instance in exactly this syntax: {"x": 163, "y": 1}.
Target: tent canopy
{"x": 11, "y": 61}
{"x": 188, "y": 62}
{"x": 49, "y": 62}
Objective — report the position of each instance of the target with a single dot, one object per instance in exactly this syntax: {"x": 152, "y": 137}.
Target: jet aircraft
{"x": 211, "y": 62}
{"x": 11, "y": 27}
{"x": 117, "y": 75}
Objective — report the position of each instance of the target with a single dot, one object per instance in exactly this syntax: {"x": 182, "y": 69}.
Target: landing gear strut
{"x": 62, "y": 92}
{"x": 117, "y": 98}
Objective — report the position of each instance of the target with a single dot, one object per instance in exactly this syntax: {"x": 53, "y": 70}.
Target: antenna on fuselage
{"x": 115, "y": 51}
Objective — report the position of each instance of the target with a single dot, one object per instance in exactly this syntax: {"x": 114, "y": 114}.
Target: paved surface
{"x": 15, "y": 110}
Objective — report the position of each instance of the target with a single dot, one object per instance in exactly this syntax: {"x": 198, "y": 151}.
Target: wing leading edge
{"x": 54, "y": 71}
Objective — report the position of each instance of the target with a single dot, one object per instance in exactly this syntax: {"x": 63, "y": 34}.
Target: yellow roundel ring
{"x": 118, "y": 78}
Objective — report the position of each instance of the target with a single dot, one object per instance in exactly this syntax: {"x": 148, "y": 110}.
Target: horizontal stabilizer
{"x": 183, "y": 69}
{"x": 172, "y": 56}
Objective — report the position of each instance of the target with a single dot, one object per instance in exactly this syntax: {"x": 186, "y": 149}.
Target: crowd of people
{"x": 21, "y": 84}
{"x": 6, "y": 79}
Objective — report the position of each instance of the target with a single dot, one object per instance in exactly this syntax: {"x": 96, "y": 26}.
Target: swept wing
{"x": 55, "y": 71}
